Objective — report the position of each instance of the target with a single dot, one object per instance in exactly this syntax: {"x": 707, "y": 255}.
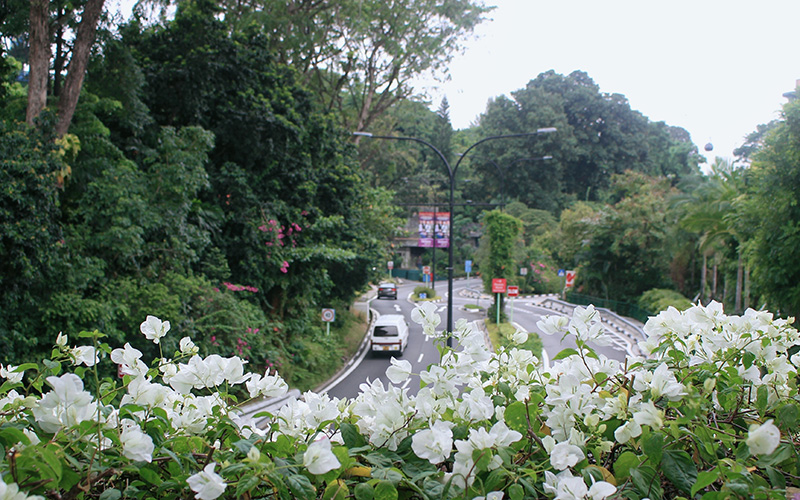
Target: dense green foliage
{"x": 659, "y": 299}
{"x": 200, "y": 181}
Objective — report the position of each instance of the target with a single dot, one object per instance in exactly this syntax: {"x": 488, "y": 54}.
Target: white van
{"x": 389, "y": 334}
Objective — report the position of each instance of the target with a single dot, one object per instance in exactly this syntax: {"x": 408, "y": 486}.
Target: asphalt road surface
{"x": 422, "y": 352}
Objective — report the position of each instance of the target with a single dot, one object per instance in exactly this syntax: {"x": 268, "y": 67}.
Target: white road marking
{"x": 397, "y": 308}
{"x": 443, "y": 308}
{"x": 419, "y": 359}
{"x": 405, "y": 384}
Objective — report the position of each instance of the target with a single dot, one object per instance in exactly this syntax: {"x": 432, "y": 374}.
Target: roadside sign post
{"x": 569, "y": 281}
{"x": 390, "y": 265}
{"x": 468, "y": 267}
{"x": 498, "y": 287}
{"x": 328, "y": 315}
{"x": 426, "y": 273}
{"x": 513, "y": 291}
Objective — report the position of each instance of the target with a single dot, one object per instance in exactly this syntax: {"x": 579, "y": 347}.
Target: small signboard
{"x": 498, "y": 285}
{"x": 390, "y": 264}
{"x": 561, "y": 273}
{"x": 426, "y": 269}
{"x": 523, "y": 271}
{"x": 570, "y": 279}
{"x": 328, "y": 315}
{"x": 513, "y": 291}
{"x": 467, "y": 266}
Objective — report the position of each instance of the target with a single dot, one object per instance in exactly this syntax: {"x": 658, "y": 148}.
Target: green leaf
{"x": 364, "y": 491}
{"x": 704, "y": 478}
{"x": 787, "y": 416}
{"x": 653, "y": 447}
{"x": 150, "y": 476}
{"x": 645, "y": 480}
{"x": 516, "y": 417}
{"x": 762, "y": 398}
{"x": 336, "y": 490}
{"x": 301, "y": 487}
{"x": 352, "y": 438}
{"x": 9, "y": 436}
{"x": 385, "y": 490}
{"x": 776, "y": 478}
{"x": 565, "y": 354}
{"x": 247, "y": 484}
{"x": 625, "y": 462}
{"x": 516, "y": 492}
{"x": 679, "y": 468}
{"x": 111, "y": 494}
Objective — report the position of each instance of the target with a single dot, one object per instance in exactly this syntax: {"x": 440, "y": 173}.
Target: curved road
{"x": 422, "y": 352}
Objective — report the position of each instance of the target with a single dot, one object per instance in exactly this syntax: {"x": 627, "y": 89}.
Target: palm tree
{"x": 712, "y": 210}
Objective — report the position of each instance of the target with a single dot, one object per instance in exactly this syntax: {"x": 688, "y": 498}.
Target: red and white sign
{"x": 426, "y": 269}
{"x": 498, "y": 285}
{"x": 328, "y": 315}
{"x": 570, "y": 279}
{"x": 390, "y": 264}
{"x": 513, "y": 291}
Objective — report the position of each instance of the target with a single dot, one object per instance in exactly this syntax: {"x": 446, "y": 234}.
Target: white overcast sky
{"x": 716, "y": 68}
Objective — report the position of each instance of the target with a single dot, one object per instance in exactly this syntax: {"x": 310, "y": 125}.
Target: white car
{"x": 389, "y": 334}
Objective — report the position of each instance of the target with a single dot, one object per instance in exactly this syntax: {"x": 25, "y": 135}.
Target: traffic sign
{"x": 467, "y": 266}
{"x": 523, "y": 271}
{"x": 513, "y": 291}
{"x": 328, "y": 315}
{"x": 426, "y": 269}
{"x": 498, "y": 285}
{"x": 561, "y": 273}
{"x": 390, "y": 264}
{"x": 570, "y": 279}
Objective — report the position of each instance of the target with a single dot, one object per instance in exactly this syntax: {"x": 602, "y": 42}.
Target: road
{"x": 422, "y": 352}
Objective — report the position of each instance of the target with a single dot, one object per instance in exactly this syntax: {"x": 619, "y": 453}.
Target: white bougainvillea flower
{"x": 269, "y": 386}
{"x": 399, "y": 371}
{"x": 565, "y": 486}
{"x": 66, "y": 405}
{"x": 660, "y": 382}
{"x": 84, "y": 354}
{"x": 492, "y": 495}
{"x": 435, "y": 443}
{"x": 627, "y": 431}
{"x": 8, "y": 373}
{"x": 61, "y": 340}
{"x": 154, "y": 329}
{"x": 207, "y": 484}
{"x": 136, "y": 445}
{"x": 552, "y": 325}
{"x": 763, "y": 439}
{"x": 319, "y": 458}
{"x": 565, "y": 455}
{"x": 129, "y": 360}
{"x": 519, "y": 337}
{"x": 188, "y": 347}
{"x": 11, "y": 491}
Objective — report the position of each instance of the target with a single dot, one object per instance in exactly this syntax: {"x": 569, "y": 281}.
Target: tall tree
{"x": 775, "y": 213}
{"x": 39, "y": 60}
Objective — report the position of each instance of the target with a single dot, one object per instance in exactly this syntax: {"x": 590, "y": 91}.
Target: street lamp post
{"x": 451, "y": 172}
{"x": 503, "y": 174}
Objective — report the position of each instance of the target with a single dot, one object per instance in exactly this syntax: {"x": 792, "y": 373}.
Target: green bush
{"x": 429, "y": 292}
{"x": 659, "y": 299}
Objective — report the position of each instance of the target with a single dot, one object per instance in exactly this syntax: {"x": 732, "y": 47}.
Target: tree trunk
{"x": 82, "y": 48}
{"x": 714, "y": 280}
{"x": 737, "y": 308}
{"x": 747, "y": 287}
{"x": 38, "y": 59}
{"x": 703, "y": 279}
{"x": 58, "y": 60}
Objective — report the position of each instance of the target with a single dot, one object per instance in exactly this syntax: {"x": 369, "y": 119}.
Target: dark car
{"x": 387, "y": 290}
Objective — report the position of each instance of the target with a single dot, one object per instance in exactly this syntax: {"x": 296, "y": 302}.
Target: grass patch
{"x": 323, "y": 356}
{"x": 502, "y": 337}
{"x": 474, "y": 307}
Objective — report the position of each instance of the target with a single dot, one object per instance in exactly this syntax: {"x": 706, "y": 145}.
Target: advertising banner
{"x": 434, "y": 229}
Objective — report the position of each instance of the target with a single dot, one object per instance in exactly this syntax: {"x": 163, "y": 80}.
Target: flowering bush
{"x": 711, "y": 412}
